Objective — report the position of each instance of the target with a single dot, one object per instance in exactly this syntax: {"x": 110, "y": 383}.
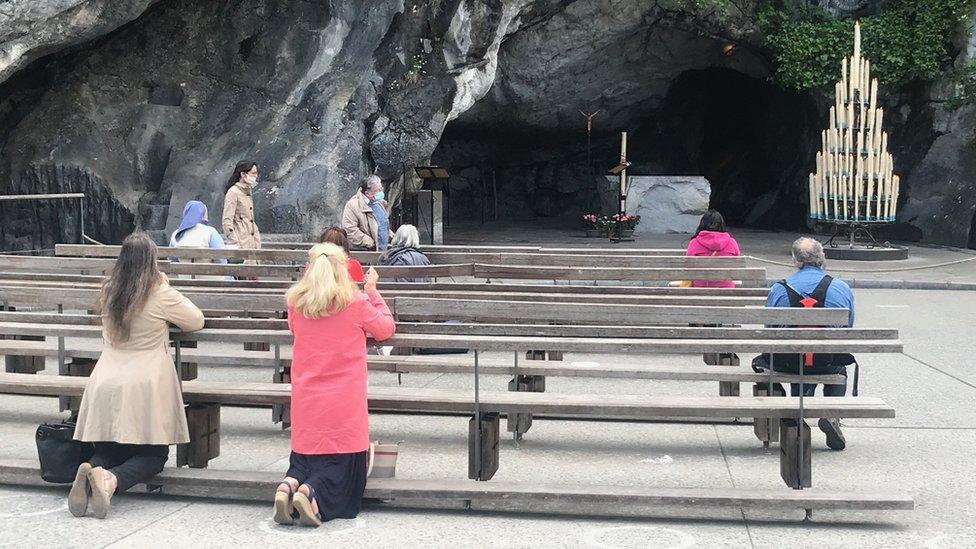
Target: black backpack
{"x": 816, "y": 362}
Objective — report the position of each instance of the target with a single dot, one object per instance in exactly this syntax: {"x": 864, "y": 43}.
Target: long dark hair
{"x": 337, "y": 236}
{"x": 127, "y": 288}
{"x": 243, "y": 166}
{"x": 711, "y": 221}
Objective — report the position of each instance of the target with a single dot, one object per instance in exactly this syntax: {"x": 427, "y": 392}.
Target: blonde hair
{"x": 325, "y": 288}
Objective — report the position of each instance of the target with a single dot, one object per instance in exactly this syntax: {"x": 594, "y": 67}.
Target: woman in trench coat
{"x": 132, "y": 408}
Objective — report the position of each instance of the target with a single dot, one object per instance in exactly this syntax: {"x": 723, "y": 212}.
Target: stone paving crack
{"x": 728, "y": 469}
{"x": 147, "y": 525}
{"x": 943, "y": 372}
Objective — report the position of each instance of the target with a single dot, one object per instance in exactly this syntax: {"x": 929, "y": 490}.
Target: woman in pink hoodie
{"x": 711, "y": 239}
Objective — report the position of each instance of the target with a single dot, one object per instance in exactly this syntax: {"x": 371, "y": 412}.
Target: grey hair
{"x": 406, "y": 237}
{"x": 807, "y": 252}
{"x": 368, "y": 182}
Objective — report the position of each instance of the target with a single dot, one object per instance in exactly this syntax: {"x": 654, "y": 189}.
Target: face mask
{"x": 250, "y": 179}
{"x": 379, "y": 196}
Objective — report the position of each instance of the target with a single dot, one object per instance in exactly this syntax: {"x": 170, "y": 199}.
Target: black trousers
{"x": 130, "y": 463}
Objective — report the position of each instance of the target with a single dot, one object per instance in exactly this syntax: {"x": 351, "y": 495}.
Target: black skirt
{"x": 338, "y": 481}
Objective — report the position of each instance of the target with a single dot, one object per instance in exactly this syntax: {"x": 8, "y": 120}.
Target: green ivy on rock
{"x": 907, "y": 40}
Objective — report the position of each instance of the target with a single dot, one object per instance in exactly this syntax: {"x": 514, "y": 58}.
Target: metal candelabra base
{"x": 854, "y": 241}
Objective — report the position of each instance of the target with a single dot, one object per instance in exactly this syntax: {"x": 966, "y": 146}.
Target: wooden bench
{"x": 22, "y": 277}
{"x": 611, "y": 345}
{"x": 86, "y": 265}
{"x": 505, "y": 496}
{"x": 513, "y": 294}
{"x": 592, "y": 258}
{"x": 486, "y": 405}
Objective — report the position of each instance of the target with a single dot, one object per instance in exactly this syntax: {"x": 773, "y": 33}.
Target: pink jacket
{"x": 711, "y": 243}
{"x": 329, "y": 414}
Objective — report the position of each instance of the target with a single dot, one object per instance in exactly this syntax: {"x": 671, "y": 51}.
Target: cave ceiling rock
{"x": 30, "y": 29}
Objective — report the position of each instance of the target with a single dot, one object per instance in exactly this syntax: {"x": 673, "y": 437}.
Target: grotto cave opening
{"x": 753, "y": 141}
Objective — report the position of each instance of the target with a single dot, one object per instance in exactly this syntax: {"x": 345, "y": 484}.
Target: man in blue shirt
{"x": 809, "y": 260}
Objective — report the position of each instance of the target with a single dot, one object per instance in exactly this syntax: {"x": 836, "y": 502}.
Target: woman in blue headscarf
{"x": 195, "y": 231}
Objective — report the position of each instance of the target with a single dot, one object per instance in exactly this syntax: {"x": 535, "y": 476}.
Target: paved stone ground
{"x": 771, "y": 246}
{"x": 926, "y": 451}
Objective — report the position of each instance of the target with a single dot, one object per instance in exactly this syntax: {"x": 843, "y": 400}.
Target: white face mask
{"x": 250, "y": 179}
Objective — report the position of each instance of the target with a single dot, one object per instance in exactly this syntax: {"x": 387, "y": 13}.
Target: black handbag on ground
{"x": 59, "y": 453}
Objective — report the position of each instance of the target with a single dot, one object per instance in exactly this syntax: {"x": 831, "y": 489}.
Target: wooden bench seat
{"x": 434, "y": 400}
{"x": 446, "y": 365}
{"x": 21, "y": 277}
{"x": 208, "y": 396}
{"x": 264, "y": 298}
{"x": 512, "y": 343}
{"x": 257, "y": 485}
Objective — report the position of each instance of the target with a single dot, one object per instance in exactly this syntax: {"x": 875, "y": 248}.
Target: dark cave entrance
{"x": 754, "y": 142}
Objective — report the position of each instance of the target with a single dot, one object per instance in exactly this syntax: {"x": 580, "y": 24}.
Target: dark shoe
{"x": 835, "y": 437}
{"x": 80, "y": 491}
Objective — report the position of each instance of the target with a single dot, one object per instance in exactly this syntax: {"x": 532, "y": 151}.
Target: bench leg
{"x": 24, "y": 364}
{"x": 765, "y": 429}
{"x": 489, "y": 446}
{"x": 520, "y": 423}
{"x": 79, "y": 367}
{"x": 204, "y": 423}
{"x": 725, "y": 388}
{"x": 281, "y": 413}
{"x": 789, "y": 454}
{"x": 188, "y": 370}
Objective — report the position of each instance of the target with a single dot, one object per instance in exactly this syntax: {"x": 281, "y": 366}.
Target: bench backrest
{"x": 98, "y": 265}
{"x": 433, "y": 309}
{"x": 594, "y": 258}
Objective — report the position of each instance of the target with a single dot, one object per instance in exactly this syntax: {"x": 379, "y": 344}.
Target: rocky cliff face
{"x": 146, "y": 104}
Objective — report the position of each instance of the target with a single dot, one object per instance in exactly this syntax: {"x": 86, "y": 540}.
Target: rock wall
{"x": 146, "y": 104}
{"x": 666, "y": 204}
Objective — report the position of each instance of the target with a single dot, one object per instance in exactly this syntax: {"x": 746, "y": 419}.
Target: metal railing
{"x": 82, "y": 238}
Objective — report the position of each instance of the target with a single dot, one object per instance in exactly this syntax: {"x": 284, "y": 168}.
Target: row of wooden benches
{"x": 730, "y": 407}
{"x": 644, "y": 324}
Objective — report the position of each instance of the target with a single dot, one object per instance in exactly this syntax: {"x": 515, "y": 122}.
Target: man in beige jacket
{"x": 365, "y": 217}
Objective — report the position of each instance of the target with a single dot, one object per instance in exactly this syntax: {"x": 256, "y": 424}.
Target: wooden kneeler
{"x": 203, "y": 421}
{"x": 488, "y": 434}
{"x": 789, "y": 454}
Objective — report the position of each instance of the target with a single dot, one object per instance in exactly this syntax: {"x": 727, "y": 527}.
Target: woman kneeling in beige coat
{"x": 132, "y": 409}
